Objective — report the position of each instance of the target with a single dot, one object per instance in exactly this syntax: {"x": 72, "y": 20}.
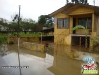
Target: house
{"x": 72, "y": 15}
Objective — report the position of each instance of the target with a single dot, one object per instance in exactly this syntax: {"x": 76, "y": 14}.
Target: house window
{"x": 62, "y": 22}
{"x": 85, "y": 21}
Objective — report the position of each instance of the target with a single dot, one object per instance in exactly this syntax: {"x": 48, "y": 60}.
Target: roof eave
{"x": 61, "y": 9}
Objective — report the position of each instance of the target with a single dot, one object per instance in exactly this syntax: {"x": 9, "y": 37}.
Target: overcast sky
{"x": 31, "y": 8}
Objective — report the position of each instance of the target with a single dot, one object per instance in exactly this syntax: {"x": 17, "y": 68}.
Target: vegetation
{"x": 3, "y": 38}
{"x": 26, "y": 27}
{"x": 94, "y": 40}
{"x": 28, "y": 34}
{"x": 82, "y": 27}
{"x": 46, "y": 21}
{"x": 80, "y": 1}
{"x": 95, "y": 43}
{"x": 27, "y": 24}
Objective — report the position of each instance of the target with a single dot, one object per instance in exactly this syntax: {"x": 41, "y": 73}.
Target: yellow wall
{"x": 68, "y": 40}
{"x": 71, "y": 24}
{"x": 33, "y": 46}
{"x": 60, "y": 34}
{"x": 60, "y": 15}
{"x": 23, "y": 39}
{"x": 81, "y": 10}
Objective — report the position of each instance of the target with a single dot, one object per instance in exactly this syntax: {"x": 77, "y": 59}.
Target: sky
{"x": 31, "y": 8}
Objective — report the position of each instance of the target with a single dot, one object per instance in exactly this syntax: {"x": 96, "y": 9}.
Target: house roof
{"x": 61, "y": 9}
{"x": 95, "y": 8}
{"x": 70, "y": 7}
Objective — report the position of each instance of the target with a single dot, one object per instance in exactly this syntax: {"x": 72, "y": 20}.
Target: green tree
{"x": 85, "y": 29}
{"x": 80, "y": 1}
{"x": 36, "y": 27}
{"x": 45, "y": 20}
{"x": 26, "y": 24}
{"x": 13, "y": 26}
{"x": 4, "y": 23}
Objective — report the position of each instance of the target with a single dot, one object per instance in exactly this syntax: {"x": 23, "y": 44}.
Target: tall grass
{"x": 27, "y": 34}
{"x": 3, "y": 38}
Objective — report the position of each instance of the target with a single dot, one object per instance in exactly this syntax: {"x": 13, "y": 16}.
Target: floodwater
{"x": 38, "y": 63}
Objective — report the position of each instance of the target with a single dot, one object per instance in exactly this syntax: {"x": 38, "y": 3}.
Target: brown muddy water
{"x": 49, "y": 63}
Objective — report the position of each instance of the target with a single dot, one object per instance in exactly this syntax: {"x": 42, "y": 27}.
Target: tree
{"x": 67, "y": 1}
{"x": 85, "y": 29}
{"x": 35, "y": 27}
{"x": 45, "y": 20}
{"x": 13, "y": 27}
{"x": 4, "y": 23}
{"x": 80, "y": 1}
{"x": 26, "y": 24}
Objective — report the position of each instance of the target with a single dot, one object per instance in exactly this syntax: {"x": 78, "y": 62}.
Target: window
{"x": 84, "y": 21}
{"x": 62, "y": 22}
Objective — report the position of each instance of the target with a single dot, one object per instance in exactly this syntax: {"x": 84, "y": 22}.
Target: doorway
{"x": 74, "y": 24}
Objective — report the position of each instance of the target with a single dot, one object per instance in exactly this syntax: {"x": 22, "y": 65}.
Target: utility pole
{"x": 67, "y": 1}
{"x": 94, "y": 2}
{"x": 19, "y": 40}
{"x": 19, "y": 20}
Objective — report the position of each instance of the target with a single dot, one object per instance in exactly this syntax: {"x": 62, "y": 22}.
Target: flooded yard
{"x": 38, "y": 63}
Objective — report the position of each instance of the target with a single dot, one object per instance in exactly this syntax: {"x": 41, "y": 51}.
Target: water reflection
{"x": 38, "y": 62}
{"x": 3, "y": 50}
{"x": 63, "y": 65}
{"x": 49, "y": 63}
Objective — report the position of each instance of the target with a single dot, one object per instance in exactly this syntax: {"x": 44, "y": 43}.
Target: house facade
{"x": 72, "y": 15}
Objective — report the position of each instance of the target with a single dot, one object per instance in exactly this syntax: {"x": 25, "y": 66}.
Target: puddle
{"x": 39, "y": 63}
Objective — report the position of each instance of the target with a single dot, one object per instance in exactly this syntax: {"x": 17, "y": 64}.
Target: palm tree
{"x": 85, "y": 29}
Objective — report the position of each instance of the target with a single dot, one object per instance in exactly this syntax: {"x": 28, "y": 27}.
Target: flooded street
{"x": 38, "y": 63}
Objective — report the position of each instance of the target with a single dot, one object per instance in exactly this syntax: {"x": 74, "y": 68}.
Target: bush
{"x": 95, "y": 42}
{"x": 3, "y": 40}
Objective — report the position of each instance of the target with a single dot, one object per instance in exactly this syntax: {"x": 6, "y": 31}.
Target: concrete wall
{"x": 23, "y": 39}
{"x": 33, "y": 46}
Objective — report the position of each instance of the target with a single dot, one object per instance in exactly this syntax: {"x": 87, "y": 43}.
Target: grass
{"x": 28, "y": 34}
{"x": 22, "y": 34}
{"x": 3, "y": 38}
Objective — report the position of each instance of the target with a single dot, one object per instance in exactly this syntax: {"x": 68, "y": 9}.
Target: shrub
{"x": 95, "y": 43}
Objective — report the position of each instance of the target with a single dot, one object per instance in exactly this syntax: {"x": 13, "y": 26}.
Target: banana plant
{"x": 85, "y": 29}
